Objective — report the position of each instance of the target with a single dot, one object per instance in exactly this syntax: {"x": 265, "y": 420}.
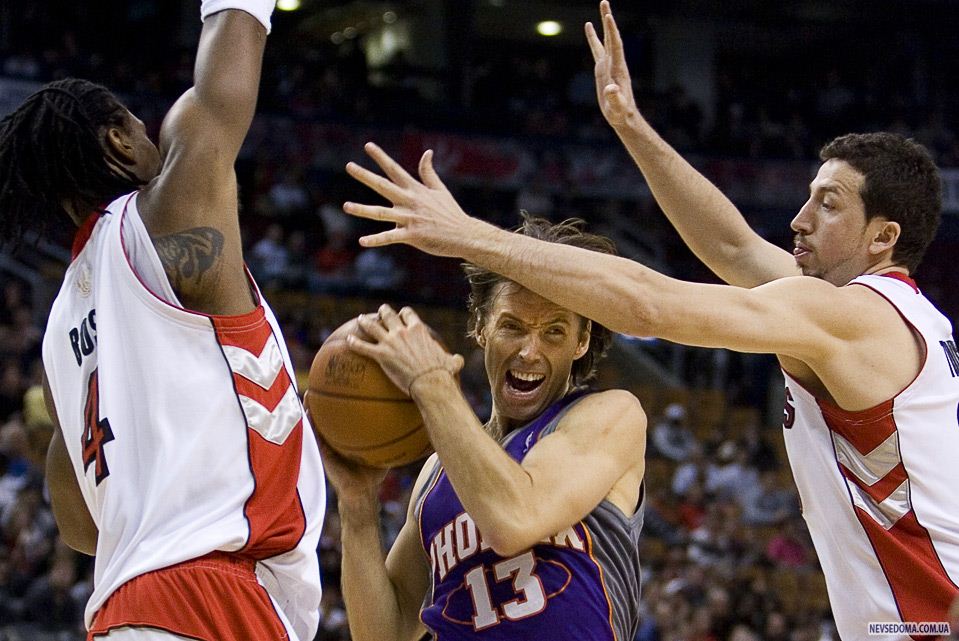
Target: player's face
{"x": 832, "y": 236}
{"x": 530, "y": 345}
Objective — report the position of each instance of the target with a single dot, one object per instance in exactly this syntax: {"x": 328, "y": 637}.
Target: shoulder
{"x": 845, "y": 312}
{"x": 614, "y": 409}
{"x": 431, "y": 465}
{"x": 427, "y": 474}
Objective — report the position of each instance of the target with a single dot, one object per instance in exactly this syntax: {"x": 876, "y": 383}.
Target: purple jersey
{"x": 582, "y": 583}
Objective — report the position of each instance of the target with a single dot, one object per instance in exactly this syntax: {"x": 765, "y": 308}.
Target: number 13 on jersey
{"x": 530, "y": 595}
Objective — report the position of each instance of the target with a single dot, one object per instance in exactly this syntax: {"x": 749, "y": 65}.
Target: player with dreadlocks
{"x": 179, "y": 456}
{"x": 53, "y": 160}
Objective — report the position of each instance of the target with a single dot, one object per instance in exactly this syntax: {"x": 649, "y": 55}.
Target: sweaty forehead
{"x": 837, "y": 176}
{"x": 517, "y": 301}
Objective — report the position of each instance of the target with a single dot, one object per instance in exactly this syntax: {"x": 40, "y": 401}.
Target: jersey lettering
{"x": 83, "y": 338}
{"x": 96, "y": 432}
{"x": 952, "y": 356}
{"x": 789, "y": 411}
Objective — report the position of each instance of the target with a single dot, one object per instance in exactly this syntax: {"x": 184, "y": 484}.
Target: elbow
{"x": 636, "y": 303}
{"x": 643, "y": 315}
{"x": 507, "y": 538}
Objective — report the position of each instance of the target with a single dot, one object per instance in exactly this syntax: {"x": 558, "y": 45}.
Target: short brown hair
{"x": 483, "y": 284}
{"x": 902, "y": 184}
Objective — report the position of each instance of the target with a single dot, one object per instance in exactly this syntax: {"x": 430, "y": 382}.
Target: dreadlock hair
{"x": 51, "y": 154}
{"x": 484, "y": 283}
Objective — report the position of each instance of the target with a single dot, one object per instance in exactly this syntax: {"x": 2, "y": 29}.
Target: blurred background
{"x": 502, "y": 90}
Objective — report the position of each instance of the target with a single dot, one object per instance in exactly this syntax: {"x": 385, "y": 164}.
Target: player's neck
{"x": 77, "y": 215}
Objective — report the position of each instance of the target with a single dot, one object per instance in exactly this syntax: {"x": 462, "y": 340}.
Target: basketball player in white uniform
{"x": 183, "y": 459}
{"x": 872, "y": 370}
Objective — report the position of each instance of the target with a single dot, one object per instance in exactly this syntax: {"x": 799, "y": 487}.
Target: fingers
{"x": 614, "y": 95}
{"x": 428, "y": 173}
{"x": 614, "y": 41}
{"x": 306, "y": 407}
{"x": 389, "y": 166}
{"x": 409, "y": 317}
{"x": 379, "y": 184}
{"x": 388, "y": 316}
{"x": 370, "y": 325}
{"x": 457, "y": 363}
{"x": 595, "y": 46}
{"x": 373, "y": 212}
{"x": 389, "y": 237}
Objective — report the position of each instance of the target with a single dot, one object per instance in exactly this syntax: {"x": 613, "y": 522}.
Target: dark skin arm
{"x": 191, "y": 209}
{"x": 76, "y": 526}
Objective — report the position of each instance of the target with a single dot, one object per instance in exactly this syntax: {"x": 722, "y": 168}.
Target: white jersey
{"x": 880, "y": 487}
{"x": 185, "y": 430}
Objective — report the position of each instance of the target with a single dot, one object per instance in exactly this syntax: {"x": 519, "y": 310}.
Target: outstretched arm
{"x": 708, "y": 222}
{"x": 805, "y": 319}
{"x": 191, "y": 209}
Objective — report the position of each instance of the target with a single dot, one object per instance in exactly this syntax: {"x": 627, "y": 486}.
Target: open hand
{"x": 403, "y": 346}
{"x": 424, "y": 211}
{"x": 614, "y": 87}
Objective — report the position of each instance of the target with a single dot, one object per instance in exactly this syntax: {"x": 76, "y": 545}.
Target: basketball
{"x": 358, "y": 410}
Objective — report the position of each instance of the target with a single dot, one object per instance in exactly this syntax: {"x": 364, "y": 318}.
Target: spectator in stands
{"x": 730, "y": 475}
{"x": 767, "y": 502}
{"x": 270, "y": 257}
{"x": 288, "y": 197}
{"x": 377, "y": 271}
{"x": 671, "y": 435}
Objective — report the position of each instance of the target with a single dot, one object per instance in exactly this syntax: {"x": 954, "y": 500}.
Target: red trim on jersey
{"x": 84, "y": 231}
{"x": 920, "y": 585}
{"x": 876, "y": 410}
{"x": 882, "y": 488}
{"x": 274, "y": 511}
{"x": 905, "y": 278}
{"x": 212, "y": 598}
{"x": 866, "y": 430}
{"x": 268, "y": 398}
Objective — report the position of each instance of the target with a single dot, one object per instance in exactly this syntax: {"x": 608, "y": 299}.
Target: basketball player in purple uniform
{"x": 523, "y": 528}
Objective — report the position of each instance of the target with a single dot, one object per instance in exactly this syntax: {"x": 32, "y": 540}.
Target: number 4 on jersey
{"x": 96, "y": 431}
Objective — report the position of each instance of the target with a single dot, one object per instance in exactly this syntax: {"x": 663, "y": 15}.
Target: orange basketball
{"x": 358, "y": 410}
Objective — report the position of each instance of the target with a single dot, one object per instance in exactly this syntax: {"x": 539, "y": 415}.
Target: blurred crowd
{"x": 725, "y": 552}
{"x": 784, "y": 107}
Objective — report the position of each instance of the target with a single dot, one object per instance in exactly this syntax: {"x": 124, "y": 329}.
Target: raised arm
{"x": 708, "y": 222}
{"x": 190, "y": 210}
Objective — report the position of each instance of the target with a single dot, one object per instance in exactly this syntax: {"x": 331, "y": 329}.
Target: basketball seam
{"x": 356, "y": 397}
{"x": 373, "y": 447}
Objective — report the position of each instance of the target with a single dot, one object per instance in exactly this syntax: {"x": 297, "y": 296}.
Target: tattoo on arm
{"x": 189, "y": 256}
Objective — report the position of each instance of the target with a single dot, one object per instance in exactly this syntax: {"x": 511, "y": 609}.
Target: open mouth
{"x": 523, "y": 382}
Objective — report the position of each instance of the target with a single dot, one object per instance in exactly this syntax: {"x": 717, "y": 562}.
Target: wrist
{"x": 431, "y": 382}
{"x": 358, "y": 509}
{"x": 634, "y": 124}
